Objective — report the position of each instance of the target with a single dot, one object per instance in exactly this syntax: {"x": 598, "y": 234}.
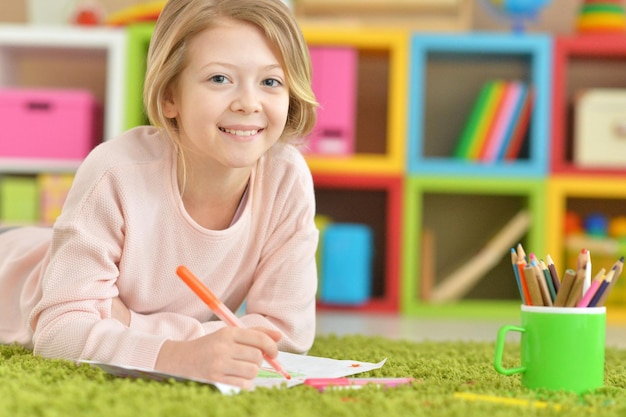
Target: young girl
{"x": 214, "y": 186}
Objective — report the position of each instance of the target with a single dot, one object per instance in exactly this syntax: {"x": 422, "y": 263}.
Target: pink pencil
{"x": 591, "y": 291}
{"x": 220, "y": 310}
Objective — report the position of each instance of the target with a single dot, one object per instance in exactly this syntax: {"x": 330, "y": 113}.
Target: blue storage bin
{"x": 347, "y": 255}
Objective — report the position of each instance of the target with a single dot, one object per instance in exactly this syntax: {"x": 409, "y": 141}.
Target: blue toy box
{"x": 347, "y": 256}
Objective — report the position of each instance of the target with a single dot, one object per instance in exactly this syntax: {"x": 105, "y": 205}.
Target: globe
{"x": 516, "y": 11}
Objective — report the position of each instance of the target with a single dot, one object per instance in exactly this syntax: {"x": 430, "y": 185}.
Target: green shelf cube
{"x": 465, "y": 213}
{"x": 19, "y": 200}
{"x": 139, "y": 35}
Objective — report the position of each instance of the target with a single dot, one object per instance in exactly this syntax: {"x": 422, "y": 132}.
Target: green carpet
{"x": 32, "y": 386}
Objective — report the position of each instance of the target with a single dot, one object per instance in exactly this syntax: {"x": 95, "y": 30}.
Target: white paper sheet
{"x": 300, "y": 367}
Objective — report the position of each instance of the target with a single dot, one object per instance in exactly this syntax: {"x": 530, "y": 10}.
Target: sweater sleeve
{"x": 73, "y": 318}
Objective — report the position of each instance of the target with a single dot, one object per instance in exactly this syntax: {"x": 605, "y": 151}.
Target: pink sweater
{"x": 124, "y": 230}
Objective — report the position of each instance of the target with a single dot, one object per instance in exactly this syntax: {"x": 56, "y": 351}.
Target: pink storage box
{"x": 334, "y": 84}
{"x": 50, "y": 124}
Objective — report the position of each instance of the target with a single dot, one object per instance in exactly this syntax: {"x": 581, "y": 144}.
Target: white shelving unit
{"x": 18, "y": 42}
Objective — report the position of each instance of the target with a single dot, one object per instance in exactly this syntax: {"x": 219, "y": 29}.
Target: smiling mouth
{"x": 243, "y": 133}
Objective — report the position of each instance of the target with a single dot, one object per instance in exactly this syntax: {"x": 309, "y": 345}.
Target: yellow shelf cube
{"x": 381, "y": 52}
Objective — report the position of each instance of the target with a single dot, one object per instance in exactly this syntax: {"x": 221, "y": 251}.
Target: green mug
{"x": 562, "y": 348}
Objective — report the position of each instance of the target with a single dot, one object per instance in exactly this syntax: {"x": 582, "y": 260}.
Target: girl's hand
{"x": 120, "y": 312}
{"x": 230, "y": 355}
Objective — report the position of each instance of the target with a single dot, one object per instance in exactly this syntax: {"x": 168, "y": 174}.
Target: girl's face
{"x": 232, "y": 99}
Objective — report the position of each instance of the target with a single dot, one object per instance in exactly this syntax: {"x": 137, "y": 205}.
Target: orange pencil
{"x": 533, "y": 286}
{"x": 543, "y": 286}
{"x": 520, "y": 268}
{"x": 220, "y": 310}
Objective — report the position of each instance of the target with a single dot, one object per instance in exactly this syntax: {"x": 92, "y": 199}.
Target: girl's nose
{"x": 246, "y": 100}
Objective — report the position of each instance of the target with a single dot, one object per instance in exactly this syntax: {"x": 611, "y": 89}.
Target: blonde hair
{"x": 181, "y": 20}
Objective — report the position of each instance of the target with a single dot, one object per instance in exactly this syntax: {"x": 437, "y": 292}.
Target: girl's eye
{"x": 272, "y": 82}
{"x": 218, "y": 79}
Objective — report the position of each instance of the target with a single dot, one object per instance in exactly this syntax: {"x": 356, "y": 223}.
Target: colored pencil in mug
{"x": 587, "y": 281}
{"x": 576, "y": 292}
{"x": 593, "y": 288}
{"x": 599, "y": 297}
{"x": 521, "y": 263}
{"x": 521, "y": 254}
{"x": 582, "y": 259}
{"x": 517, "y": 277}
{"x": 548, "y": 278}
{"x": 617, "y": 267}
{"x": 553, "y": 273}
{"x": 543, "y": 286}
{"x": 566, "y": 287}
{"x": 533, "y": 286}
{"x": 220, "y": 309}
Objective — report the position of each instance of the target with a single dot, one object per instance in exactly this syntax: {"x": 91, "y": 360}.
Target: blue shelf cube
{"x": 440, "y": 63}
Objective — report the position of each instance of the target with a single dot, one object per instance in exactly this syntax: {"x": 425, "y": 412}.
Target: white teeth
{"x": 240, "y": 132}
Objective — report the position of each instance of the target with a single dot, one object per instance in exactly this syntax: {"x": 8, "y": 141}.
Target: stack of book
{"x": 498, "y": 122}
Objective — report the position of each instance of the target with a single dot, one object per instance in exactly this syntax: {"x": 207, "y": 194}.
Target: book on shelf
{"x": 496, "y": 127}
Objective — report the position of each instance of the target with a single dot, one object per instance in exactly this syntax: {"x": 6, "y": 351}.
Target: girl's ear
{"x": 169, "y": 106}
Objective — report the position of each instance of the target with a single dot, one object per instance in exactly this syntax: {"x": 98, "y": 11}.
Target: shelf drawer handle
{"x": 38, "y": 105}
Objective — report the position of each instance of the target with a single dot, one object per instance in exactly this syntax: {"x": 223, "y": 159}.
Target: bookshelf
{"x": 415, "y": 92}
